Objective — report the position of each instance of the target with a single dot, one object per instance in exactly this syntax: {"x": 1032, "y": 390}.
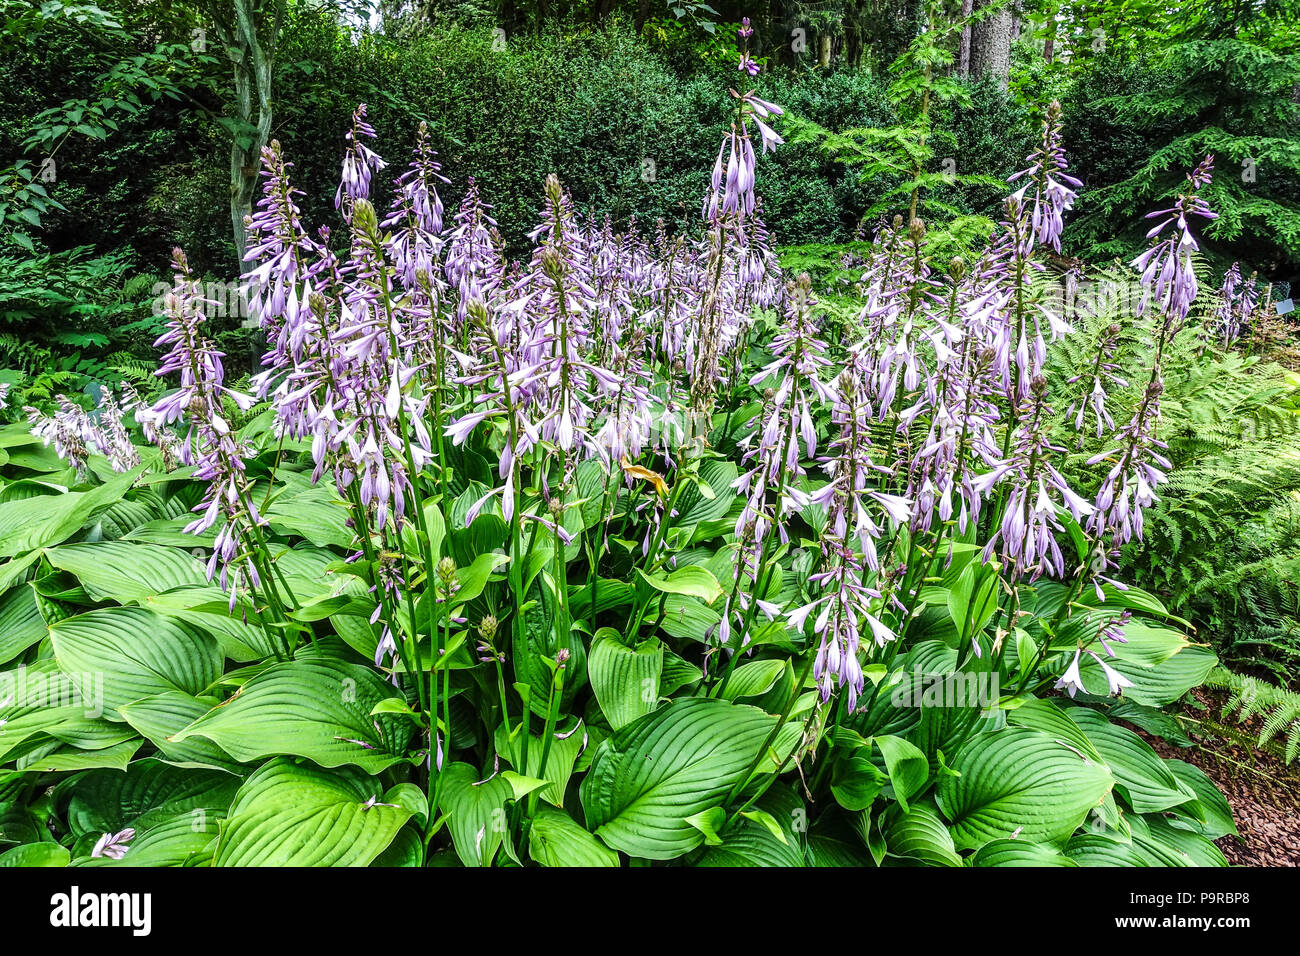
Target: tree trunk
{"x": 824, "y": 50}
{"x": 991, "y": 43}
{"x": 963, "y": 59}
{"x": 248, "y": 29}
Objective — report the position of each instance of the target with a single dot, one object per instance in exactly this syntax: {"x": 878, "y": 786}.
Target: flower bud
{"x": 364, "y": 220}
{"x": 447, "y": 570}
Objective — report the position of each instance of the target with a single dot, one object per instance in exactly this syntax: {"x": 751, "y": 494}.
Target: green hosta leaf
{"x": 677, "y": 673}
{"x": 908, "y": 767}
{"x": 690, "y": 581}
{"x": 476, "y": 812}
{"x": 105, "y": 801}
{"x": 158, "y": 717}
{"x": 918, "y": 834}
{"x": 754, "y": 679}
{"x": 1095, "y": 849}
{"x": 239, "y": 633}
{"x": 36, "y": 854}
{"x": 1150, "y": 644}
{"x": 34, "y": 523}
{"x": 767, "y": 835}
{"x": 650, "y": 776}
{"x": 1141, "y": 777}
{"x": 293, "y": 814}
{"x": 175, "y": 813}
{"x": 856, "y": 781}
{"x": 686, "y": 617}
{"x": 313, "y": 512}
{"x": 1019, "y": 853}
{"x": 315, "y": 708}
{"x": 566, "y": 745}
{"x": 406, "y": 850}
{"x": 182, "y": 839}
{"x": 625, "y": 681}
{"x": 134, "y": 653}
{"x": 1047, "y": 718}
{"x": 709, "y": 822}
{"x": 127, "y": 572}
{"x": 555, "y": 839}
{"x": 1161, "y": 842}
{"x": 973, "y": 598}
{"x": 21, "y": 624}
{"x": 1210, "y": 807}
{"x": 1155, "y": 686}
{"x": 69, "y": 758}
{"x": 1022, "y": 783}
{"x": 709, "y": 500}
{"x": 37, "y": 699}
{"x": 830, "y": 849}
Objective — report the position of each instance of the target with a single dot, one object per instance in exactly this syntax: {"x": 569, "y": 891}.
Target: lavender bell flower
{"x": 1168, "y": 275}
{"x": 113, "y": 846}
{"x": 1055, "y": 190}
{"x": 210, "y": 445}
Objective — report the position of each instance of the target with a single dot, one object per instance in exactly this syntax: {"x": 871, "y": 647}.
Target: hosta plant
{"x": 618, "y": 553}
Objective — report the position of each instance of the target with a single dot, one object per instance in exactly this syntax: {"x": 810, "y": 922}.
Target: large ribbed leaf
{"x": 1095, "y": 849}
{"x": 566, "y": 746}
{"x": 240, "y": 635}
{"x": 625, "y": 680}
{"x": 754, "y": 679}
{"x": 556, "y": 839}
{"x": 36, "y": 854}
{"x": 1141, "y": 777}
{"x": 1019, "y": 853}
{"x": 186, "y": 838}
{"x": 1047, "y": 718}
{"x": 36, "y": 699}
{"x": 103, "y": 800}
{"x": 768, "y": 835}
{"x": 127, "y": 572}
{"x": 158, "y": 717}
{"x": 1160, "y": 842}
{"x": 63, "y": 759}
{"x": 700, "y": 506}
{"x": 173, "y": 812}
{"x": 918, "y": 835}
{"x": 34, "y": 523}
{"x": 293, "y": 814}
{"x": 650, "y": 776}
{"x": 136, "y": 652}
{"x": 1022, "y": 783}
{"x": 315, "y": 708}
{"x": 21, "y": 624}
{"x": 476, "y": 812}
{"x": 314, "y": 512}
{"x": 1158, "y": 685}
{"x": 1210, "y": 808}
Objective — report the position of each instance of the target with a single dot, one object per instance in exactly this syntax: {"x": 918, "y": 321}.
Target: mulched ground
{"x": 1263, "y": 792}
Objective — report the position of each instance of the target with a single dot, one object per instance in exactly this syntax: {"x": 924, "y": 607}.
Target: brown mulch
{"x": 1263, "y": 792}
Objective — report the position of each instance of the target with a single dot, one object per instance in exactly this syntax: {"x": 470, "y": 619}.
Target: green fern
{"x": 1251, "y": 697}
